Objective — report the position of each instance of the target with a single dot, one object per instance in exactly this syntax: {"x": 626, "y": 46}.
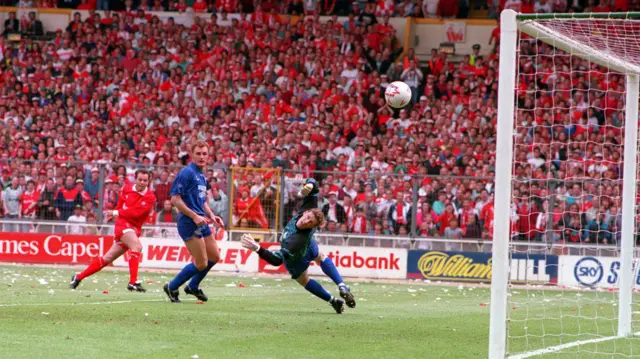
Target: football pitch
{"x": 257, "y": 317}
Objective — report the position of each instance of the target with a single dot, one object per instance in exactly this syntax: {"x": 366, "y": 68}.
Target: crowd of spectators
{"x": 364, "y": 10}
{"x": 125, "y": 90}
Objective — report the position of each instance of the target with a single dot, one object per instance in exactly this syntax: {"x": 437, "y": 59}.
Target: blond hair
{"x": 198, "y": 144}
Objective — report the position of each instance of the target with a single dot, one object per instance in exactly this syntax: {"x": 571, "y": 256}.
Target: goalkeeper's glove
{"x": 249, "y": 243}
{"x": 310, "y": 187}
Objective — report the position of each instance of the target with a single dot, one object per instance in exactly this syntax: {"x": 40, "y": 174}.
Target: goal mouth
{"x": 607, "y": 39}
{"x": 567, "y": 144}
{"x": 583, "y": 15}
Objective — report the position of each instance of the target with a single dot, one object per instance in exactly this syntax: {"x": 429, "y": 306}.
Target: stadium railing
{"x": 271, "y": 202}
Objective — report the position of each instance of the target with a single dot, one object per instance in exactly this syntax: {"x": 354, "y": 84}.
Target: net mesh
{"x": 611, "y": 36}
{"x": 566, "y": 193}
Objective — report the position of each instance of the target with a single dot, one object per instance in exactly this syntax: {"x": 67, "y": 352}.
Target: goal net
{"x": 564, "y": 254}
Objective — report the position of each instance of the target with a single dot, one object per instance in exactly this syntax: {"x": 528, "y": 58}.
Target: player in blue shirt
{"x": 189, "y": 196}
{"x": 299, "y": 249}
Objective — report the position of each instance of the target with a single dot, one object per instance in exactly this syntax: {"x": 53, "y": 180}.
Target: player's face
{"x": 200, "y": 156}
{"x": 142, "y": 181}
{"x": 307, "y": 221}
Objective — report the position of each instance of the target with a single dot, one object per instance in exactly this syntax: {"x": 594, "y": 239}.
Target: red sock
{"x": 95, "y": 266}
{"x": 134, "y": 262}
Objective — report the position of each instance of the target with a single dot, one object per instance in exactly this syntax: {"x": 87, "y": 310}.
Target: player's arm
{"x": 273, "y": 258}
{"x": 109, "y": 214}
{"x": 310, "y": 193}
{"x": 140, "y": 211}
{"x": 176, "y": 201}
{"x": 120, "y": 197}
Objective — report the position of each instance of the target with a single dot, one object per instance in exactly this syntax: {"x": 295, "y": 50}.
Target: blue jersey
{"x": 191, "y": 185}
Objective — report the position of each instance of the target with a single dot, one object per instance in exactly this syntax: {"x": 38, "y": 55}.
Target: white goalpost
{"x": 565, "y": 188}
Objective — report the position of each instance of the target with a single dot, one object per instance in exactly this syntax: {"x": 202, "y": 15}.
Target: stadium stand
{"x": 282, "y": 101}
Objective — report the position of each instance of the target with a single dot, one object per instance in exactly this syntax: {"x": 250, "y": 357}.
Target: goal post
{"x": 607, "y": 41}
{"x": 504, "y": 158}
{"x": 629, "y": 181}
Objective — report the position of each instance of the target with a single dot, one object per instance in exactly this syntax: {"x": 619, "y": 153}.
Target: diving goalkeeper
{"x": 299, "y": 249}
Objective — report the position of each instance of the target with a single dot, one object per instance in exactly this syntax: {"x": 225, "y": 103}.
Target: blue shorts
{"x": 187, "y": 229}
{"x": 297, "y": 267}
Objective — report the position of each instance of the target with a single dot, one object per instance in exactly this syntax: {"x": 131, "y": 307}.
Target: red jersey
{"x": 28, "y": 198}
{"x": 133, "y": 206}
{"x": 486, "y": 215}
{"x": 242, "y": 206}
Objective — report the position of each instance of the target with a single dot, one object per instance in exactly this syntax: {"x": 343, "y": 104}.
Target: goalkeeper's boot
{"x": 172, "y": 294}
{"x": 345, "y": 293}
{"x": 337, "y": 304}
{"x": 197, "y": 293}
{"x": 136, "y": 287}
{"x": 75, "y": 282}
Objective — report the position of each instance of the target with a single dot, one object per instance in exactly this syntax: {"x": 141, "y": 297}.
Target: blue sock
{"x": 331, "y": 271}
{"x": 185, "y": 274}
{"x": 195, "y": 281}
{"x": 317, "y": 290}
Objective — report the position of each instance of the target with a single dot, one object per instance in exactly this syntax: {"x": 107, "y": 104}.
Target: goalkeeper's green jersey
{"x": 294, "y": 241}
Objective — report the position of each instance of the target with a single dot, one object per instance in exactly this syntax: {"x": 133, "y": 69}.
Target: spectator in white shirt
{"x": 343, "y": 149}
{"x": 412, "y": 77}
{"x": 350, "y": 73}
{"x": 174, "y": 118}
{"x": 77, "y": 217}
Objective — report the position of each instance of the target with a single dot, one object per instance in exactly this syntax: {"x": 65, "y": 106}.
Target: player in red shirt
{"x": 135, "y": 203}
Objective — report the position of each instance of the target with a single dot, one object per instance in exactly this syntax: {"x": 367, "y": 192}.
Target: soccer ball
{"x": 397, "y": 94}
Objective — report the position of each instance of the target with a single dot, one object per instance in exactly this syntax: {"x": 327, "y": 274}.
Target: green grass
{"x": 270, "y": 318}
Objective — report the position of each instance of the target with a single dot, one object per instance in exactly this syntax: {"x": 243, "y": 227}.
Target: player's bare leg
{"x": 328, "y": 268}
{"x": 316, "y": 289}
{"x": 196, "y": 247}
{"x": 131, "y": 240}
{"x": 116, "y": 250}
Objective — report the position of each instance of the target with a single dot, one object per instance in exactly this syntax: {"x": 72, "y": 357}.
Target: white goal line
{"x": 558, "y": 348}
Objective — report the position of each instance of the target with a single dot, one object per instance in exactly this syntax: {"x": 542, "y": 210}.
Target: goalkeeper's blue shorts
{"x": 297, "y": 267}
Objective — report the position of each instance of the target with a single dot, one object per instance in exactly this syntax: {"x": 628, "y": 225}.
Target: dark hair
{"x": 143, "y": 172}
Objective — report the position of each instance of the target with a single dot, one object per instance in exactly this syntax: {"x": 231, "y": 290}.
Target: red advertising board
{"x": 167, "y": 253}
{"x": 353, "y": 261}
{"x": 52, "y": 248}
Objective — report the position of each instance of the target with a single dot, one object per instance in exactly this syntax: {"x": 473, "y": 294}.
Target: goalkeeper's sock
{"x": 185, "y": 274}
{"x": 134, "y": 263}
{"x": 95, "y": 266}
{"x": 331, "y": 271}
{"x": 316, "y": 289}
{"x": 195, "y": 281}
